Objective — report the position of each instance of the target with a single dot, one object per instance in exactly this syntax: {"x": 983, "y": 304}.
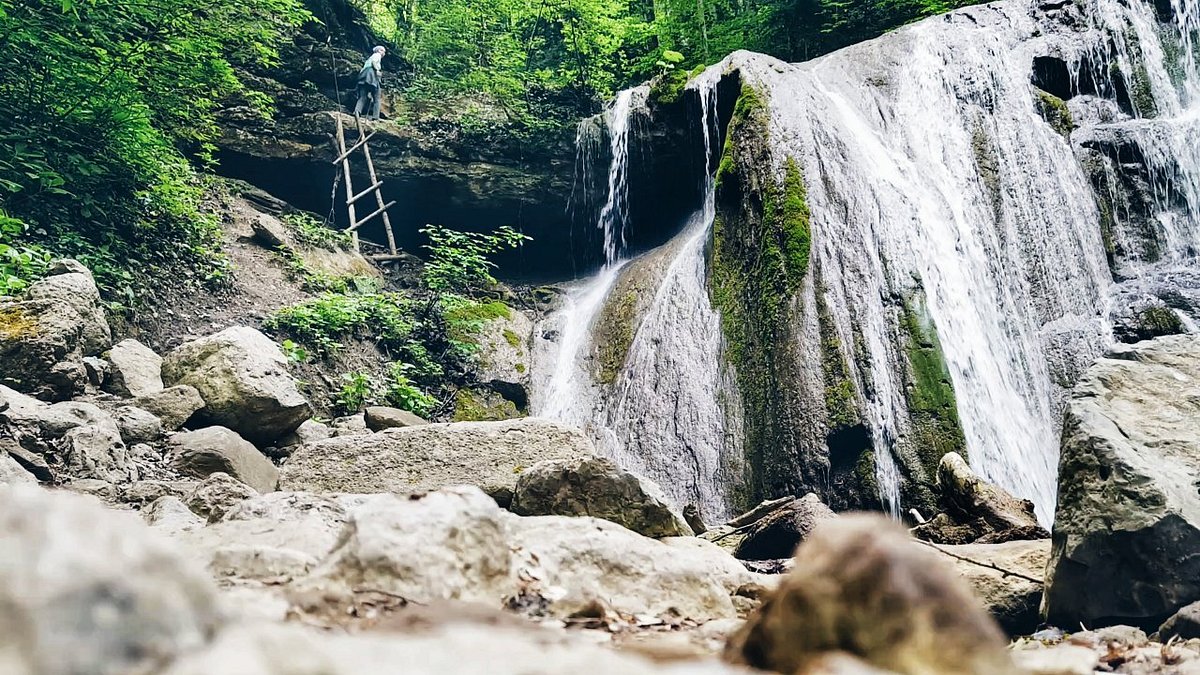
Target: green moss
{"x": 479, "y": 406}
{"x": 841, "y": 402}
{"x": 932, "y": 406}
{"x": 615, "y": 335}
{"x": 667, "y": 88}
{"x": 1054, "y": 110}
{"x": 466, "y": 318}
{"x": 794, "y": 223}
{"x": 1156, "y": 321}
{"x": 15, "y": 324}
{"x": 520, "y": 367}
{"x": 511, "y": 337}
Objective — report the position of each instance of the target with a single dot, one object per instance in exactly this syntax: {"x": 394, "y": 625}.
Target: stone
{"x": 490, "y": 455}
{"x": 45, "y": 335}
{"x": 216, "y": 494}
{"x": 1062, "y": 659}
{"x": 274, "y": 536}
{"x": 266, "y": 648}
{"x": 597, "y": 487}
{"x": 860, "y": 585}
{"x": 97, "y": 370}
{"x": 310, "y": 431}
{"x": 145, "y": 492}
{"x": 1006, "y": 577}
{"x": 174, "y": 406}
{"x": 11, "y": 471}
{"x": 1128, "y": 519}
{"x": 204, "y": 452}
{"x": 777, "y": 534}
{"x": 242, "y": 376}
{"x": 578, "y": 561}
{"x": 379, "y": 418}
{"x": 54, "y": 421}
{"x": 135, "y": 370}
{"x": 448, "y": 544}
{"x": 96, "y": 451}
{"x": 969, "y": 498}
{"x": 90, "y": 486}
{"x": 350, "y": 425}
{"x": 269, "y": 231}
{"x": 504, "y": 355}
{"x": 89, "y": 590}
{"x": 32, "y": 462}
{"x": 1184, "y": 624}
{"x": 170, "y": 516}
{"x": 137, "y": 425}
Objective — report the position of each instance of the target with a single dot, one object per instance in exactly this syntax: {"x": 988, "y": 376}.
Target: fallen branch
{"x": 758, "y": 513}
{"x": 981, "y": 564}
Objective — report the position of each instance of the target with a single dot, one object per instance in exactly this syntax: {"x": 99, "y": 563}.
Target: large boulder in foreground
{"x": 1127, "y": 527}
{"x": 45, "y": 335}
{"x": 860, "y": 585}
{"x": 242, "y": 376}
{"x": 134, "y": 370}
{"x": 596, "y": 486}
{"x": 490, "y": 455}
{"x": 89, "y": 590}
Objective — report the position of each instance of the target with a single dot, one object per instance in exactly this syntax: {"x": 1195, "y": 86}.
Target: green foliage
{"x": 357, "y": 390}
{"x": 97, "y": 97}
{"x": 312, "y": 232}
{"x": 458, "y": 261}
{"x": 19, "y": 265}
{"x": 394, "y": 388}
{"x": 322, "y": 322}
{"x": 294, "y": 352}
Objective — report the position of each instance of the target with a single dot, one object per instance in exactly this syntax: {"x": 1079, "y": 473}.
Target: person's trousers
{"x": 368, "y": 101}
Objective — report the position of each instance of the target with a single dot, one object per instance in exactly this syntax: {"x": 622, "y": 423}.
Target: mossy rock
{"x": 1054, "y": 110}
{"x": 16, "y": 324}
{"x": 667, "y": 89}
{"x": 481, "y": 405}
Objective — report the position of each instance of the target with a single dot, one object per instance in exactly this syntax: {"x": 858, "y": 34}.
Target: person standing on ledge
{"x": 370, "y": 85}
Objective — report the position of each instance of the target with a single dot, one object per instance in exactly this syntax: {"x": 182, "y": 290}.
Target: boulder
{"x": 379, "y": 418}
{"x": 503, "y": 361}
{"x": 490, "y": 455}
{"x": 595, "y": 486}
{"x": 90, "y": 590}
{"x": 577, "y": 562}
{"x": 45, "y": 335}
{"x": 145, "y": 492}
{"x": 96, "y": 451}
{"x": 861, "y": 586}
{"x": 777, "y": 534}
{"x": 216, "y": 494}
{"x": 173, "y": 405}
{"x": 1184, "y": 624}
{"x": 97, "y": 370}
{"x": 210, "y": 450}
{"x": 310, "y": 431}
{"x": 448, "y": 544}
{"x": 137, "y": 425}
{"x": 135, "y": 370}
{"x": 968, "y": 498}
{"x": 242, "y": 376}
{"x": 54, "y": 421}
{"x": 1007, "y": 577}
{"x": 350, "y": 425}
{"x": 1128, "y": 520}
{"x": 170, "y": 516}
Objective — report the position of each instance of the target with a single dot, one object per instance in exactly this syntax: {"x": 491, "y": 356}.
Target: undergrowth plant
{"x": 19, "y": 264}
{"x": 458, "y": 261}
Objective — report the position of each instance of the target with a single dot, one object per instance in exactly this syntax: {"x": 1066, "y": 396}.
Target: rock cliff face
{"x": 920, "y": 243}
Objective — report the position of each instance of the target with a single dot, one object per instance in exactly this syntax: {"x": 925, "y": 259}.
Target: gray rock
{"x": 1128, "y": 519}
{"x": 91, "y": 486}
{"x": 448, "y": 544}
{"x": 96, "y": 451}
{"x": 242, "y": 376}
{"x": 97, "y": 370}
{"x": 971, "y": 498}
{"x": 379, "y": 418}
{"x": 32, "y": 462}
{"x": 135, "y": 370}
{"x": 216, "y": 494}
{"x": 490, "y": 455}
{"x": 269, "y": 231}
{"x": 173, "y": 405}
{"x": 137, "y": 425}
{"x": 1184, "y": 624}
{"x": 777, "y": 534}
{"x": 90, "y": 590}
{"x": 144, "y": 492}
{"x": 47, "y": 333}
{"x": 595, "y": 486}
{"x": 12, "y": 472}
{"x": 350, "y": 425}
{"x": 56, "y": 420}
{"x": 310, "y": 431}
{"x": 210, "y": 450}
{"x": 170, "y": 516}
{"x": 1006, "y": 577}
{"x": 503, "y": 358}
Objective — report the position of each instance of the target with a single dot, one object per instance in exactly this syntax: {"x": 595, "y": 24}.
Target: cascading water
{"x": 670, "y": 413}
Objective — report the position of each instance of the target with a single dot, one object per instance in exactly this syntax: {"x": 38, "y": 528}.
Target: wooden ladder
{"x": 351, "y": 197}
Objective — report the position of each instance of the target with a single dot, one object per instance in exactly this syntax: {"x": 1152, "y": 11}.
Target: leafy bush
{"x": 312, "y": 232}
{"x": 395, "y": 389}
{"x": 19, "y": 265}
{"x": 458, "y": 261}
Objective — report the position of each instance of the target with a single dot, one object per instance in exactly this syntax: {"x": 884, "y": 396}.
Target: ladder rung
{"x": 381, "y": 209}
{"x": 359, "y": 144}
{"x": 364, "y": 193}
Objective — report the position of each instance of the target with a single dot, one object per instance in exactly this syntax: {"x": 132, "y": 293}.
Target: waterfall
{"x": 670, "y": 413}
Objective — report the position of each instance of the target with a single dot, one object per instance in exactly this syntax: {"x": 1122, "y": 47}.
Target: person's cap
{"x": 380, "y": 48}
